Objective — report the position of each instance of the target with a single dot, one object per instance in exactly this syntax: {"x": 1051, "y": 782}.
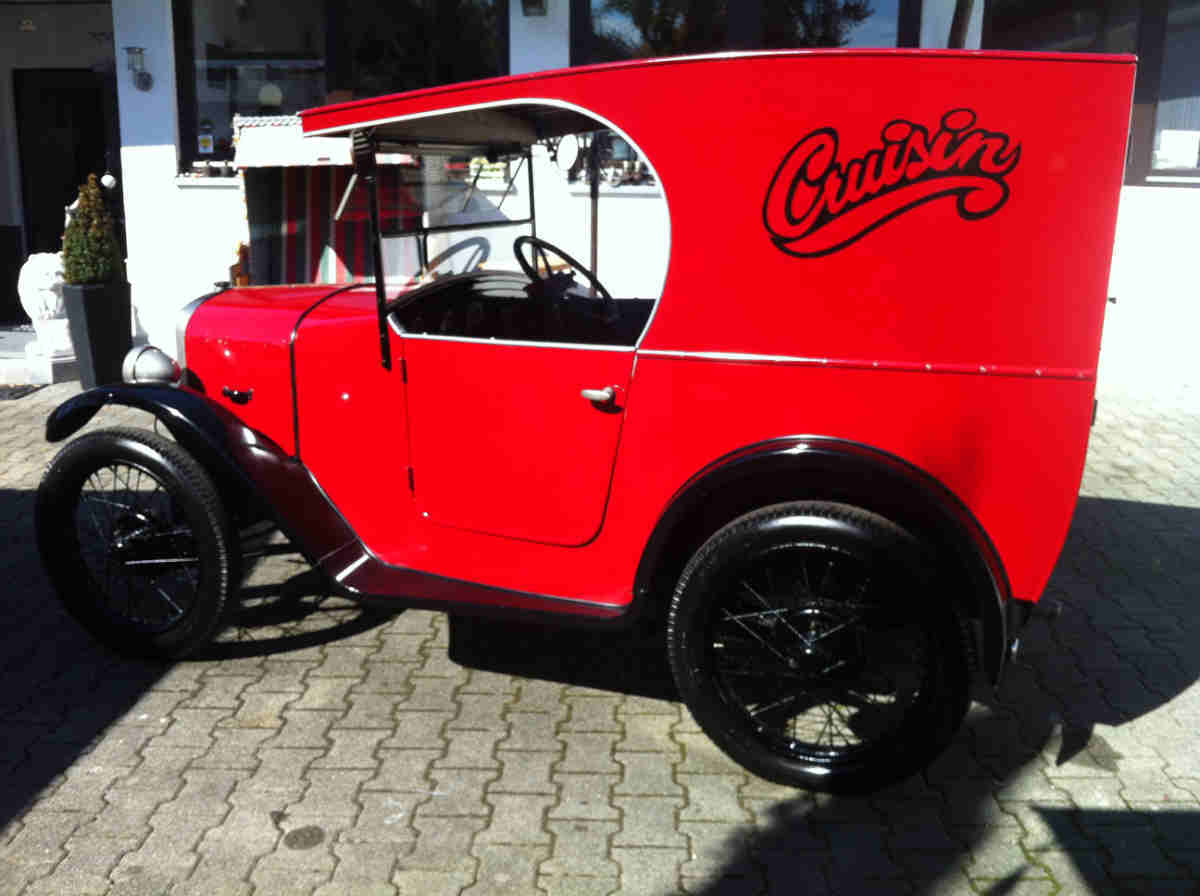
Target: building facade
{"x": 148, "y": 89}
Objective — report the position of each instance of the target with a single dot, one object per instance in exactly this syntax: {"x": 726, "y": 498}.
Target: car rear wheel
{"x": 806, "y": 642}
{"x": 136, "y": 543}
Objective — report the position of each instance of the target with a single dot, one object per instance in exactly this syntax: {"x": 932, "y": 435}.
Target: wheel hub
{"x": 828, "y": 642}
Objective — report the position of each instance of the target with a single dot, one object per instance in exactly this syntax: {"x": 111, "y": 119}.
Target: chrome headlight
{"x": 147, "y": 364}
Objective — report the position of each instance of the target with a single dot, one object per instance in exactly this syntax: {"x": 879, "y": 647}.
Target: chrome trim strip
{"x": 353, "y": 566}
{"x": 433, "y": 337}
{"x": 1033, "y": 372}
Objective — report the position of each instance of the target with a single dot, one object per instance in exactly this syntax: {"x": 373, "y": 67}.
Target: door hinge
{"x": 1095, "y": 406}
{"x": 412, "y": 486}
{"x": 404, "y": 370}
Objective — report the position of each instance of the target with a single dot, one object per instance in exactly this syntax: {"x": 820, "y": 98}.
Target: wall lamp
{"x": 136, "y": 57}
{"x": 534, "y": 7}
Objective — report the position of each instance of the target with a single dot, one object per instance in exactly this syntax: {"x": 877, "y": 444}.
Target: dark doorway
{"x": 66, "y": 130}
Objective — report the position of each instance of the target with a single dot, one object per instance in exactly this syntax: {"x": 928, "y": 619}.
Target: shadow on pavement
{"x": 1127, "y": 642}
{"x": 62, "y": 691}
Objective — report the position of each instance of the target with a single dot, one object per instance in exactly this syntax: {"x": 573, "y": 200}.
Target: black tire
{"x": 136, "y": 542}
{"x": 806, "y": 619}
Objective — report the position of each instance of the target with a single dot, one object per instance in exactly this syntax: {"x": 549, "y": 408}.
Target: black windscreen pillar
{"x": 365, "y": 168}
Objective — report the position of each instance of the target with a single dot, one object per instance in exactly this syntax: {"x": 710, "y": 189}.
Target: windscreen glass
{"x": 454, "y": 210}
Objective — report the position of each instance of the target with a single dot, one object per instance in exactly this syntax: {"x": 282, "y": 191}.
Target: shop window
{"x": 629, "y": 29}
{"x": 1177, "y": 117}
{"x": 1062, "y": 26}
{"x": 249, "y": 58}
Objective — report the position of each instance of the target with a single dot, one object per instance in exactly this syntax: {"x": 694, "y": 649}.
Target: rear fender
{"x": 823, "y": 468}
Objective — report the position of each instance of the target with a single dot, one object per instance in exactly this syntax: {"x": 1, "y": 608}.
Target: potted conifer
{"x": 94, "y": 289}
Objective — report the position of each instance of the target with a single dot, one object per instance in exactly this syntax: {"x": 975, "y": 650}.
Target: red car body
{"x": 886, "y": 287}
{"x": 965, "y": 347}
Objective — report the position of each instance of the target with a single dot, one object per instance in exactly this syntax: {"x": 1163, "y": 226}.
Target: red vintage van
{"x": 836, "y": 443}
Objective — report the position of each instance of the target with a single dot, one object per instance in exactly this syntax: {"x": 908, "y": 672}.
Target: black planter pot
{"x": 98, "y": 316}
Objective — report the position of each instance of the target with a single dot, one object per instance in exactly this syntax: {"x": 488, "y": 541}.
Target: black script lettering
{"x": 816, "y": 205}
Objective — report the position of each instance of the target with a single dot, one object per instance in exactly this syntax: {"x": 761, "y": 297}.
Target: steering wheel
{"x": 555, "y": 285}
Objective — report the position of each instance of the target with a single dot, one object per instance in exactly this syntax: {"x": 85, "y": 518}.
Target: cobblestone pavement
{"x": 318, "y": 748}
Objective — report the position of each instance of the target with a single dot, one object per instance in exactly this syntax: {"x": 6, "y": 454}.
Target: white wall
{"x": 1152, "y": 334}
{"x": 536, "y": 43}
{"x": 62, "y": 39}
{"x": 182, "y": 233}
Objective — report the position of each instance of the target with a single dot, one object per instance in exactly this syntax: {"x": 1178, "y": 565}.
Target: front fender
{"x": 255, "y": 477}
{"x": 203, "y": 429}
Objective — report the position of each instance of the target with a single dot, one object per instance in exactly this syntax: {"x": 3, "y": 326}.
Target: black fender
{"x": 255, "y": 477}
{"x": 826, "y": 468}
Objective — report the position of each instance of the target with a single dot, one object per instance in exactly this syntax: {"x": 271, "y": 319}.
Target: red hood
{"x": 240, "y": 340}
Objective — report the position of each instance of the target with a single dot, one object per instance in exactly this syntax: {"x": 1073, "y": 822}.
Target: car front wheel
{"x": 135, "y": 541}
{"x": 807, "y": 642}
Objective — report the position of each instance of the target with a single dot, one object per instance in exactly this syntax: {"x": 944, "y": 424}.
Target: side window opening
{"x": 561, "y": 241}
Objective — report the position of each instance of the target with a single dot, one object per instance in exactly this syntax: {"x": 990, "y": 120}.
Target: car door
{"x": 503, "y": 442}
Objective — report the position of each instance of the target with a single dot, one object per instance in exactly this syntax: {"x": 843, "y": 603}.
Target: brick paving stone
{"x": 516, "y": 819}
{"x": 652, "y": 871}
{"x": 419, "y": 730}
{"x": 362, "y": 868}
{"x": 392, "y": 679}
{"x": 584, "y": 796}
{"x": 458, "y": 792}
{"x": 351, "y": 748}
{"x": 506, "y": 870}
{"x": 646, "y": 774}
{"x": 718, "y": 850}
{"x": 481, "y": 712}
{"x": 471, "y": 749}
{"x": 443, "y": 844}
{"x": 645, "y": 733}
{"x": 649, "y": 821}
{"x": 403, "y": 771}
{"x": 577, "y": 885}
{"x": 580, "y": 848}
{"x": 712, "y": 798}
{"x": 524, "y": 771}
{"x": 701, "y": 756}
{"x": 591, "y": 713}
{"x": 588, "y": 753}
{"x": 385, "y": 818}
{"x": 541, "y": 696}
{"x": 531, "y": 731}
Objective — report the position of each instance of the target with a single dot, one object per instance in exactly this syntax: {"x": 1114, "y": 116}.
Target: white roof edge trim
{"x": 561, "y": 104}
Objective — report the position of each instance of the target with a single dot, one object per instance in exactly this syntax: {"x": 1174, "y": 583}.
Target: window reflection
{"x": 1177, "y": 123}
{"x": 629, "y": 29}
{"x": 1084, "y": 26}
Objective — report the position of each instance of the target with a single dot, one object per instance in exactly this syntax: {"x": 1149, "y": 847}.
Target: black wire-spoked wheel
{"x": 804, "y": 640}
{"x": 135, "y": 541}
{"x": 138, "y": 548}
{"x": 799, "y": 645}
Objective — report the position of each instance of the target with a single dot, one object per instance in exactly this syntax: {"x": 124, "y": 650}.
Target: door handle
{"x": 237, "y": 396}
{"x": 603, "y": 396}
